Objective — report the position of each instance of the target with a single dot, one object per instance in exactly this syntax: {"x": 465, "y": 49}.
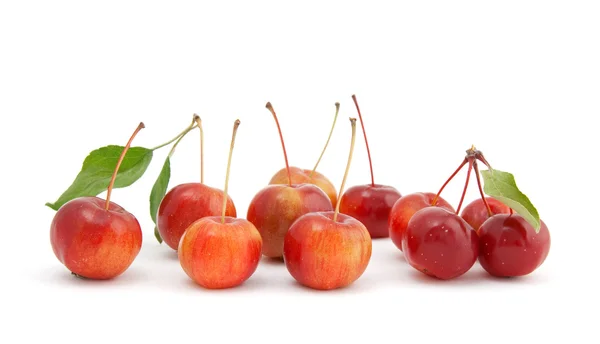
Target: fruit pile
{"x": 323, "y": 236}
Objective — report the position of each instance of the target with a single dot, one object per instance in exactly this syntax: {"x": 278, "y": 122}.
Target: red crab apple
{"x": 476, "y": 212}
{"x": 408, "y": 205}
{"x": 370, "y": 204}
{"x": 328, "y": 250}
{"x": 274, "y": 208}
{"x": 305, "y": 176}
{"x": 96, "y": 238}
{"x": 220, "y": 251}
{"x": 509, "y": 246}
{"x": 440, "y": 243}
{"x": 404, "y": 209}
{"x": 186, "y": 203}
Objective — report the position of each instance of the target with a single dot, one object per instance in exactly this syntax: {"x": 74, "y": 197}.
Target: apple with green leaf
{"x": 188, "y": 202}
{"x": 442, "y": 244}
{"x": 96, "y": 238}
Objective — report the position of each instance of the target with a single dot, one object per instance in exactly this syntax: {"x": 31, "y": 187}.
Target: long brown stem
{"x": 235, "y": 128}
{"x": 462, "y": 197}
{"x": 199, "y": 123}
{"x": 287, "y": 165}
{"x": 337, "y": 110}
{"x": 487, "y": 206}
{"x": 337, "y": 207}
{"x": 366, "y": 142}
{"x": 435, "y": 199}
{"x": 114, "y": 176}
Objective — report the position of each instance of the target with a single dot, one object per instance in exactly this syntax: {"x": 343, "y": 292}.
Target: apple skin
{"x": 302, "y": 176}
{"x": 405, "y": 208}
{"x": 475, "y": 213}
{"x": 371, "y": 205}
{"x": 93, "y": 242}
{"x": 510, "y": 247}
{"x": 440, "y": 243}
{"x": 274, "y": 208}
{"x": 322, "y": 254}
{"x": 186, "y": 203}
{"x": 220, "y": 255}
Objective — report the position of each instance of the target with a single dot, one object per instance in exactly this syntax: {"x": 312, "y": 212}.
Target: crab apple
{"x": 509, "y": 246}
{"x": 440, "y": 243}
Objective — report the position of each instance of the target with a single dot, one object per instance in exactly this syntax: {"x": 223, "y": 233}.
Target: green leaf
{"x": 157, "y": 235}
{"x": 502, "y": 186}
{"x": 158, "y": 192}
{"x": 98, "y": 168}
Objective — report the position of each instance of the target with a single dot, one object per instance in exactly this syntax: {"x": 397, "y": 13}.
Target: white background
{"x": 519, "y": 79}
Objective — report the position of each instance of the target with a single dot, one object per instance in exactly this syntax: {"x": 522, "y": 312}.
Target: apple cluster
{"x": 323, "y": 236}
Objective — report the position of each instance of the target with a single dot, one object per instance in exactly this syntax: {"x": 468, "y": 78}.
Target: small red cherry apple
{"x": 509, "y": 246}
{"x": 404, "y": 209}
{"x": 328, "y": 250}
{"x": 186, "y": 203}
{"x": 220, "y": 251}
{"x": 476, "y": 212}
{"x": 440, "y": 243}
{"x": 305, "y": 176}
{"x": 274, "y": 208}
{"x": 408, "y": 205}
{"x": 371, "y": 203}
{"x": 96, "y": 238}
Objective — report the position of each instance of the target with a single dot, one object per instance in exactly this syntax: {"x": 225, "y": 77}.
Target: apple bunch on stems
{"x": 440, "y": 243}
{"x": 323, "y": 236}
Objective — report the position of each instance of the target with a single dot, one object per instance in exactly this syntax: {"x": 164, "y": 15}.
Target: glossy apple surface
{"x": 440, "y": 243}
{"x": 475, "y": 213}
{"x": 509, "y": 246}
{"x": 185, "y": 204}
{"x": 371, "y": 205}
{"x": 220, "y": 255}
{"x": 276, "y": 207}
{"x": 322, "y": 254}
{"x": 405, "y": 208}
{"x": 93, "y": 242}
{"x": 303, "y": 176}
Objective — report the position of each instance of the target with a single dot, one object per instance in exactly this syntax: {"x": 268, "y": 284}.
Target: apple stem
{"x": 435, "y": 199}
{"x": 487, "y": 206}
{"x": 199, "y": 124}
{"x": 114, "y": 176}
{"x": 337, "y": 110}
{"x": 235, "y": 128}
{"x": 366, "y": 142}
{"x": 173, "y": 139}
{"x": 287, "y": 165}
{"x": 337, "y": 207}
{"x": 187, "y": 130}
{"x": 462, "y": 197}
